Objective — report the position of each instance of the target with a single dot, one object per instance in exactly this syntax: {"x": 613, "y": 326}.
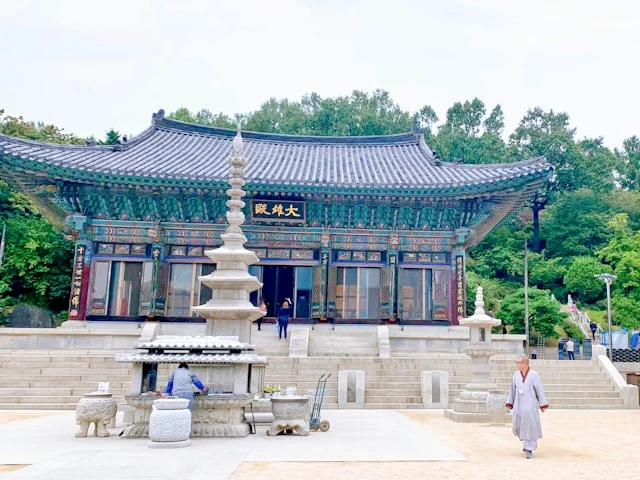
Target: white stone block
{"x": 299, "y": 344}
{"x": 384, "y": 345}
{"x": 435, "y": 389}
{"x": 351, "y": 389}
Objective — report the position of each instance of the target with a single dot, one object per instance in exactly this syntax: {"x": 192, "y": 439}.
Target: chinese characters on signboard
{"x": 76, "y": 281}
{"x": 291, "y": 211}
{"x": 460, "y": 310}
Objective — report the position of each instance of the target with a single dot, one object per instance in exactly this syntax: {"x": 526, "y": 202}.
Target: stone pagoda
{"x": 481, "y": 392}
{"x": 223, "y": 359}
{"x": 229, "y": 312}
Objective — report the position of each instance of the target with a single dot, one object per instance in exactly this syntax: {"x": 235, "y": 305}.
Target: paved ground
{"x": 360, "y": 444}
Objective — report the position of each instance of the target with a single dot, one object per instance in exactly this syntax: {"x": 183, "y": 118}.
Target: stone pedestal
{"x": 291, "y": 415}
{"x": 212, "y": 416}
{"x": 170, "y": 423}
{"x": 471, "y": 406}
{"x": 98, "y": 408}
{"x": 496, "y": 407}
{"x": 351, "y": 389}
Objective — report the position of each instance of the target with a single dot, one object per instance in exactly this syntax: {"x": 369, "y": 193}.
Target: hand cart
{"x": 315, "y": 423}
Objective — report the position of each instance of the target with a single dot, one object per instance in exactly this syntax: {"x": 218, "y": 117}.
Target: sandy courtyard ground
{"x": 577, "y": 444}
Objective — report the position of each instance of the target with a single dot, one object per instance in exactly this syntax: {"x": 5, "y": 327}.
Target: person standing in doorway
{"x": 284, "y": 313}
{"x": 570, "y": 349}
{"x": 525, "y": 397}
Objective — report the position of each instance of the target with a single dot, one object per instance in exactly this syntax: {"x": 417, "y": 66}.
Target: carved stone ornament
{"x": 97, "y": 408}
{"x": 170, "y": 423}
{"x": 291, "y": 413}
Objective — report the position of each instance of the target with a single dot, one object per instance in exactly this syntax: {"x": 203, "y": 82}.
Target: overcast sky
{"x": 88, "y": 65}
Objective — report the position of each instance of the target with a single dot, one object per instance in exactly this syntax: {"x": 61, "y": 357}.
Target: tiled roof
{"x": 171, "y": 342}
{"x": 175, "y": 150}
{"x": 207, "y": 358}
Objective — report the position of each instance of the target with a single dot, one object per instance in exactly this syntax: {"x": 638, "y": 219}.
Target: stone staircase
{"x": 56, "y": 379}
{"x": 393, "y": 383}
{"x": 577, "y": 384}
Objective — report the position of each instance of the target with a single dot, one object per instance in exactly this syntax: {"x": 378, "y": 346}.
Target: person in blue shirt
{"x": 284, "y": 313}
{"x": 181, "y": 383}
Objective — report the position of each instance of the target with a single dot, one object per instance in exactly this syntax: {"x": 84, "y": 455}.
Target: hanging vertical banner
{"x": 460, "y": 294}
{"x": 77, "y": 298}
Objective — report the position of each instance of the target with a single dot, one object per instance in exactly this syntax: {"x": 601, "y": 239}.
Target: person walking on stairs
{"x": 525, "y": 397}
{"x": 284, "y": 313}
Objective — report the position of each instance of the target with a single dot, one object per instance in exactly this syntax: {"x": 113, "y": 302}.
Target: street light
{"x": 607, "y": 278}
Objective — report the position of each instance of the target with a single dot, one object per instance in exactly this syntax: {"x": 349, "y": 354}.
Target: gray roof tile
{"x": 174, "y": 150}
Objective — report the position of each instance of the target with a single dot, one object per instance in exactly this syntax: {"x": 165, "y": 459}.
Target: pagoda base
{"x": 470, "y": 417}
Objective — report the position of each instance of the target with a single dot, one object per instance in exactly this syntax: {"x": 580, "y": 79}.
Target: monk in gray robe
{"x": 525, "y": 397}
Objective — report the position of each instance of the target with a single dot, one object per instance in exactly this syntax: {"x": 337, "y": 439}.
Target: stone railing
{"x": 629, "y": 392}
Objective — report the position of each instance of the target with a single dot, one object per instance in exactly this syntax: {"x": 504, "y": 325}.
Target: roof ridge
{"x": 73, "y": 146}
{"x": 164, "y": 123}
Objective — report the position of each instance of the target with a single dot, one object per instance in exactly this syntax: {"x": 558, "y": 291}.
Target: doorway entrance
{"x": 284, "y": 281}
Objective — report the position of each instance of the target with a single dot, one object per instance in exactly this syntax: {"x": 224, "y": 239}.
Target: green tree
{"x": 467, "y": 136}
{"x": 544, "y": 312}
{"x": 576, "y": 224}
{"x": 630, "y": 156}
{"x": 112, "y": 137}
{"x": 546, "y": 134}
{"x": 37, "y": 261}
{"x": 626, "y": 311}
{"x": 580, "y": 279}
{"x": 18, "y": 127}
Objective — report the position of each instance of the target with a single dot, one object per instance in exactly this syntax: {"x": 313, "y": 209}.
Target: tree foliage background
{"x": 585, "y": 221}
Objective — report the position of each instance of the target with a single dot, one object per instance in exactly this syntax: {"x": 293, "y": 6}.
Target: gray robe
{"x": 527, "y": 397}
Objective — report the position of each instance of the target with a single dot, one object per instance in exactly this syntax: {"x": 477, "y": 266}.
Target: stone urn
{"x": 170, "y": 423}
{"x": 98, "y": 408}
{"x": 496, "y": 407}
{"x": 291, "y": 413}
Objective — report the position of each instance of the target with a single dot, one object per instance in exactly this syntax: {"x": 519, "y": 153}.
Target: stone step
{"x": 408, "y": 394}
{"x": 368, "y": 399}
{"x": 53, "y": 379}
{"x": 38, "y": 406}
{"x": 46, "y": 383}
{"x": 77, "y": 370}
{"x": 55, "y": 391}
{"x": 571, "y": 393}
{"x": 47, "y": 398}
{"x": 556, "y": 387}
{"x": 393, "y": 406}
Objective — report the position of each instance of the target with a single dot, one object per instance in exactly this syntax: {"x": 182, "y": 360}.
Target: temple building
{"x": 351, "y": 229}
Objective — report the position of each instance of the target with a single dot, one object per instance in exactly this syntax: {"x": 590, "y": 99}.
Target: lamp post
{"x": 607, "y": 278}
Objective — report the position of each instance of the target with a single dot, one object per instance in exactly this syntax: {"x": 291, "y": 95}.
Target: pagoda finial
{"x": 238, "y": 144}
{"x": 479, "y": 302}
{"x": 235, "y": 217}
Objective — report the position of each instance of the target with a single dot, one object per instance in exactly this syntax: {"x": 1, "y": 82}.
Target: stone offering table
{"x": 98, "y": 408}
{"x": 291, "y": 414}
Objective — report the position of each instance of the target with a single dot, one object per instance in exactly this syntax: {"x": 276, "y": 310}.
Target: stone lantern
{"x": 472, "y": 404}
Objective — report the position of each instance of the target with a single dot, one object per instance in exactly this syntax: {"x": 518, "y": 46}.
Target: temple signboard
{"x": 460, "y": 286}
{"x": 289, "y": 211}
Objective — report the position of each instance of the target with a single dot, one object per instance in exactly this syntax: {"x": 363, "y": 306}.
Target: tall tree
{"x": 630, "y": 156}
{"x": 549, "y": 134}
